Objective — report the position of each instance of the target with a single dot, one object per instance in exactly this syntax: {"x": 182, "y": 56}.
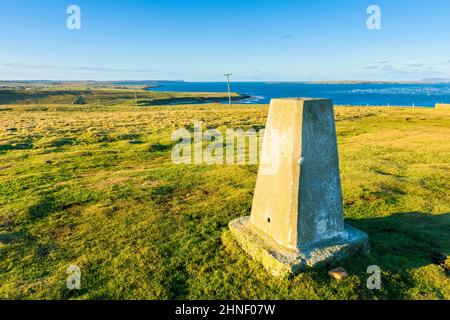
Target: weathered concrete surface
{"x": 302, "y": 203}
{"x": 282, "y": 262}
{"x": 297, "y": 214}
{"x": 442, "y": 106}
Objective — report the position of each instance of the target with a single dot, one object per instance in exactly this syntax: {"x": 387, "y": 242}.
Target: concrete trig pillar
{"x": 297, "y": 216}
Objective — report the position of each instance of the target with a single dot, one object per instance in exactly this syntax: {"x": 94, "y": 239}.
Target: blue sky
{"x": 198, "y": 40}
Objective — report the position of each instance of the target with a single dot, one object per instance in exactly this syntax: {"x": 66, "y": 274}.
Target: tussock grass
{"x": 95, "y": 187}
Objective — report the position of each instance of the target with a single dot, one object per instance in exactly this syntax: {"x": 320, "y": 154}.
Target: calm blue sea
{"x": 345, "y": 94}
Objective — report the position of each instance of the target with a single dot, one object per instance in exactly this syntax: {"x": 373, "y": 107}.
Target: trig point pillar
{"x": 297, "y": 216}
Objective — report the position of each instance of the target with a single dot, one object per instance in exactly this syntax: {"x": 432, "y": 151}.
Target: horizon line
{"x": 429, "y": 80}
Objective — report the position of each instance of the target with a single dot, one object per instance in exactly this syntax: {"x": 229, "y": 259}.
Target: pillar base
{"x": 282, "y": 262}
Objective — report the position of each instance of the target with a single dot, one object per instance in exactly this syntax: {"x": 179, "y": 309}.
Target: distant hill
{"x": 423, "y": 81}
{"x": 361, "y": 82}
{"x": 436, "y": 80}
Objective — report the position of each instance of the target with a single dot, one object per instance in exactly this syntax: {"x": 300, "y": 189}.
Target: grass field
{"x": 95, "y": 187}
{"x": 107, "y": 97}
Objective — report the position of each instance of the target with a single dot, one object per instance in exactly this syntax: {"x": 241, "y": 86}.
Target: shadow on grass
{"x": 23, "y": 145}
{"x": 159, "y": 147}
{"x": 9, "y": 237}
{"x": 61, "y": 142}
{"x": 45, "y": 206}
{"x": 407, "y": 240}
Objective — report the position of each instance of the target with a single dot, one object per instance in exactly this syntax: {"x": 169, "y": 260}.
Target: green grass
{"x": 105, "y": 97}
{"x": 95, "y": 187}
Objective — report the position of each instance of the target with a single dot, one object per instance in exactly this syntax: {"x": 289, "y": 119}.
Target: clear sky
{"x": 200, "y": 40}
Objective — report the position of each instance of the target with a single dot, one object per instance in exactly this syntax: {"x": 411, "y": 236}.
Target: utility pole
{"x": 135, "y": 99}
{"x": 229, "y": 86}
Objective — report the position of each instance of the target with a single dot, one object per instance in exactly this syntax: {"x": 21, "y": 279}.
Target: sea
{"x": 426, "y": 95}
